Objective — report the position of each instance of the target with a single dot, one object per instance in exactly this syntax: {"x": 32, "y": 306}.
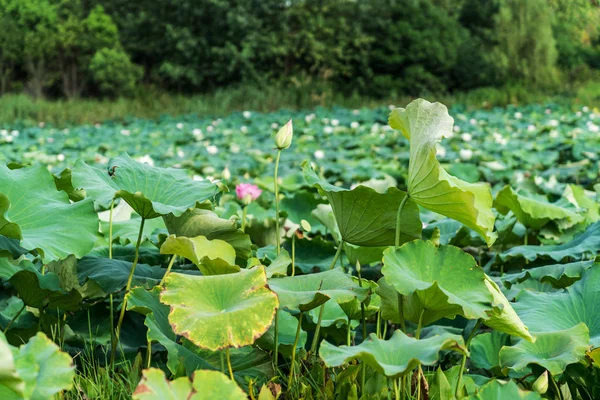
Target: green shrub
{"x": 114, "y": 73}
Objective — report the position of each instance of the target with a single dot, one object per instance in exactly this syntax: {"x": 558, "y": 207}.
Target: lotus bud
{"x": 541, "y": 384}
{"x": 283, "y": 138}
{"x": 357, "y": 266}
{"x": 226, "y": 174}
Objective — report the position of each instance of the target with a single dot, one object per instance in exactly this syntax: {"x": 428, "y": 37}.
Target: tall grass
{"x": 152, "y": 104}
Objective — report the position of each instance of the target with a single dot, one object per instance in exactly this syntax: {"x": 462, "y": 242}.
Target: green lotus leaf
{"x": 551, "y": 350}
{"x": 111, "y": 275}
{"x": 305, "y": 292}
{"x": 34, "y": 212}
{"x": 364, "y": 216}
{"x": 394, "y": 357}
{"x": 584, "y": 244}
{"x": 313, "y": 255}
{"x": 532, "y": 212}
{"x": 44, "y": 369}
{"x": 558, "y": 275}
{"x": 485, "y": 349}
{"x": 440, "y": 282}
{"x": 63, "y": 182}
{"x": 11, "y": 385}
{"x": 127, "y": 231}
{"x": 155, "y": 386}
{"x": 150, "y": 191}
{"x": 220, "y": 311}
{"x": 503, "y": 317}
{"x": 36, "y": 289}
{"x": 210, "y": 256}
{"x": 499, "y": 390}
{"x": 10, "y": 247}
{"x": 205, "y": 385}
{"x": 147, "y": 302}
{"x": 287, "y": 334}
{"x": 429, "y": 185}
{"x": 11, "y": 310}
{"x": 204, "y": 222}
{"x": 577, "y": 196}
{"x": 371, "y": 305}
{"x": 551, "y": 312}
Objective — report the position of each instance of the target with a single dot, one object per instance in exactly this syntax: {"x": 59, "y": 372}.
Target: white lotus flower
{"x": 473, "y": 121}
{"x": 247, "y": 114}
{"x": 319, "y": 154}
{"x": 518, "y": 115}
{"x": 212, "y": 149}
{"x": 354, "y": 125}
{"x": 585, "y": 109}
{"x": 553, "y": 122}
{"x": 180, "y": 153}
{"x": 60, "y": 157}
{"x": 179, "y": 125}
{"x": 531, "y": 128}
{"x": 466, "y": 154}
{"x": 210, "y": 128}
{"x": 335, "y": 122}
{"x": 274, "y": 125}
{"x": 125, "y": 132}
{"x": 328, "y": 129}
{"x": 467, "y": 137}
{"x": 147, "y": 160}
{"x": 234, "y": 148}
{"x": 355, "y": 112}
{"x": 244, "y": 129}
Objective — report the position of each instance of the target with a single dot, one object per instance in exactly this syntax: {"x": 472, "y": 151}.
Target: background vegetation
{"x": 321, "y": 51}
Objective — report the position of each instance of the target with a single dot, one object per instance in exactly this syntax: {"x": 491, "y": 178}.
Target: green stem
{"x": 276, "y": 339}
{"x": 555, "y": 386}
{"x": 401, "y": 312}
{"x": 378, "y": 330}
{"x": 244, "y": 214}
{"x": 364, "y": 332}
{"x": 124, "y": 304}
{"x": 337, "y": 254}
{"x": 313, "y": 347}
{"x": 296, "y": 339}
{"x": 276, "y": 187}
{"x": 349, "y": 337}
{"x": 398, "y": 219}
{"x": 464, "y": 359}
{"x": 294, "y": 254}
{"x": 149, "y": 354}
{"x": 420, "y": 370}
{"x": 162, "y": 281}
{"x": 14, "y": 318}
{"x": 396, "y": 389}
{"x": 110, "y": 256}
{"x": 229, "y": 363}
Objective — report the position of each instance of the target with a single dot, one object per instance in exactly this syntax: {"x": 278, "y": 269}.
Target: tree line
{"x": 99, "y": 48}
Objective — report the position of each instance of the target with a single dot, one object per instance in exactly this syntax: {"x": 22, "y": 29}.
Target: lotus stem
{"x": 398, "y": 219}
{"x": 14, "y": 318}
{"x": 313, "y": 347}
{"x": 124, "y": 304}
{"x": 349, "y": 337}
{"x": 401, "y": 312}
{"x": 110, "y": 256}
{"x": 276, "y": 340}
{"x": 229, "y": 363}
{"x": 294, "y": 254}
{"x": 364, "y": 329}
{"x": 337, "y": 254}
{"x": 149, "y": 354}
{"x": 555, "y": 386}
{"x": 296, "y": 339}
{"x": 463, "y": 363}
{"x": 420, "y": 370}
{"x": 378, "y": 329}
{"x": 244, "y": 215}
{"x": 276, "y": 188}
{"x": 162, "y": 281}
{"x": 396, "y": 389}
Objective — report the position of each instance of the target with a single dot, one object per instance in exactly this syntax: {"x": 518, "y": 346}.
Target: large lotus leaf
{"x": 204, "y": 222}
{"x": 11, "y": 385}
{"x": 111, "y": 275}
{"x": 206, "y": 385}
{"x": 220, "y": 311}
{"x": 36, "y": 289}
{"x": 313, "y": 255}
{"x": 394, "y": 357}
{"x": 551, "y": 350}
{"x": 127, "y": 231}
{"x": 498, "y": 390}
{"x": 364, "y": 216}
{"x": 305, "y": 292}
{"x": 10, "y": 247}
{"x": 558, "y": 275}
{"x": 503, "y": 317}
{"x": 147, "y": 302}
{"x": 429, "y": 185}
{"x": 485, "y": 349}
{"x": 440, "y": 282}
{"x": 550, "y": 312}
{"x": 34, "y": 212}
{"x": 150, "y": 191}
{"x": 584, "y": 244}
{"x": 201, "y": 252}
{"x": 534, "y": 213}
{"x": 577, "y": 196}
{"x": 44, "y": 369}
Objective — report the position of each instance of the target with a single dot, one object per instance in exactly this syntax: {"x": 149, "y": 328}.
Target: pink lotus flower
{"x": 247, "y": 192}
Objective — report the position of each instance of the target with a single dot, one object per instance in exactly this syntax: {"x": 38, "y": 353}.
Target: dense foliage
{"x": 72, "y": 47}
{"x": 367, "y": 254}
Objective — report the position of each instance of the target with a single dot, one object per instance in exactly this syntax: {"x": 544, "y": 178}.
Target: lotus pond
{"x": 401, "y": 253}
